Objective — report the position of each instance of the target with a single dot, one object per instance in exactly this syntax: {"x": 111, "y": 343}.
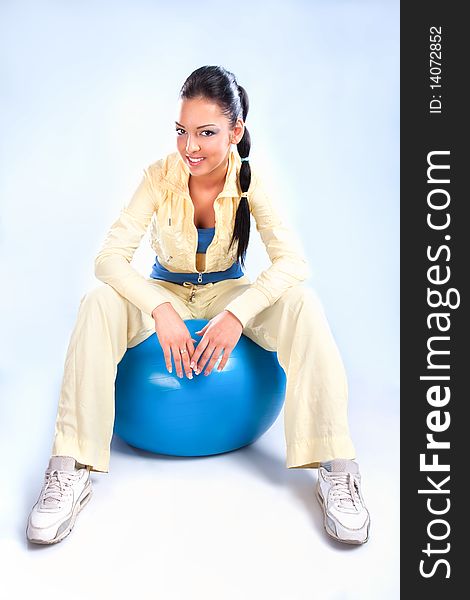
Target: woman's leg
{"x": 107, "y": 324}
{"x": 315, "y": 412}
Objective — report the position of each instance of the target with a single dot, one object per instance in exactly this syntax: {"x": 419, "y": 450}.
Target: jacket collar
{"x": 176, "y": 174}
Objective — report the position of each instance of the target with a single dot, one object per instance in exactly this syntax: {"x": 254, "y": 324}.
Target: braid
{"x": 241, "y": 231}
{"x": 217, "y": 84}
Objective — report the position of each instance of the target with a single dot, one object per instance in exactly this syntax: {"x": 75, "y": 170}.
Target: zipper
{"x": 186, "y": 196}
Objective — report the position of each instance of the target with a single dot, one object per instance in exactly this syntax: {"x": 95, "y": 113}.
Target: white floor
{"x": 233, "y": 526}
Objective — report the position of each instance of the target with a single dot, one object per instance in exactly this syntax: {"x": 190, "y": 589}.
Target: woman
{"x": 198, "y": 201}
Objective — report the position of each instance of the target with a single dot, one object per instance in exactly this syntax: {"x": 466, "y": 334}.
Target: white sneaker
{"x": 65, "y": 491}
{"x": 338, "y": 488}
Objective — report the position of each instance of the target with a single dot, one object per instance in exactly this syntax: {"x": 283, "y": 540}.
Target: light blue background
{"x": 89, "y": 92}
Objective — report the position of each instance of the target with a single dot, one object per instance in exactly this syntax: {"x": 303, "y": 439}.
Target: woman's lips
{"x": 194, "y": 164}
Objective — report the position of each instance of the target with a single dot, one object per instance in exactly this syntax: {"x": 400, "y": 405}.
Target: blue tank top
{"x": 205, "y": 236}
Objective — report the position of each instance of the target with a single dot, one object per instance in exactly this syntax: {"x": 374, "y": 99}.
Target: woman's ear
{"x": 238, "y": 131}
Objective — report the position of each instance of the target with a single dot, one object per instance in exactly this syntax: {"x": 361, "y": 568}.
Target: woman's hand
{"x": 220, "y": 334}
{"x": 173, "y": 335}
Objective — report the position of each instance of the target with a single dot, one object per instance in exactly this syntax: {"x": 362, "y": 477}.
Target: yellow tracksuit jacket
{"x": 162, "y": 203}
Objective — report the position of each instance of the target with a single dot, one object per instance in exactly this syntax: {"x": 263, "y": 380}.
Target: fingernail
{"x": 197, "y": 372}
{"x": 169, "y": 370}
{"x": 192, "y": 365}
{"x": 190, "y": 376}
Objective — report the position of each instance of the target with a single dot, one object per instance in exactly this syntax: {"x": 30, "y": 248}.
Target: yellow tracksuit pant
{"x": 315, "y": 410}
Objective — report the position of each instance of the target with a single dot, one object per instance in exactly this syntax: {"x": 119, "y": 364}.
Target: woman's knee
{"x": 300, "y": 295}
{"x": 102, "y": 295}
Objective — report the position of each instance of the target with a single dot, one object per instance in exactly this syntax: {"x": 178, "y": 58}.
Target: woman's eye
{"x": 211, "y": 133}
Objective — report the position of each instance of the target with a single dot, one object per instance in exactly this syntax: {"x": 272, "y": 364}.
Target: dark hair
{"x": 219, "y": 85}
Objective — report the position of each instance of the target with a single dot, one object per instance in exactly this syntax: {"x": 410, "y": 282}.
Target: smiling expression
{"x": 203, "y": 131}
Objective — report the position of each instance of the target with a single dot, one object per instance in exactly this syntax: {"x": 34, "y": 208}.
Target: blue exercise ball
{"x": 157, "y": 411}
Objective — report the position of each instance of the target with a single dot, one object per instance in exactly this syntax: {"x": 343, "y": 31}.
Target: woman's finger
{"x": 203, "y": 330}
{"x": 167, "y": 356}
{"x": 197, "y": 353}
{"x": 190, "y": 347}
{"x": 205, "y": 356}
{"x": 224, "y": 360}
{"x": 214, "y": 358}
{"x": 185, "y": 360}
{"x": 177, "y": 359}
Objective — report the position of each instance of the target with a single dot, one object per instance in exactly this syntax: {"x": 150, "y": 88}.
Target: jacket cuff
{"x": 145, "y": 297}
{"x": 149, "y": 303}
{"x": 139, "y": 292}
{"x": 248, "y": 305}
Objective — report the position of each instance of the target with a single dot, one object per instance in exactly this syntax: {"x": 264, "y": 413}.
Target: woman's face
{"x": 202, "y": 131}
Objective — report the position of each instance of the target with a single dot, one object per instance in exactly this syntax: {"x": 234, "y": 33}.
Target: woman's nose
{"x": 191, "y": 146}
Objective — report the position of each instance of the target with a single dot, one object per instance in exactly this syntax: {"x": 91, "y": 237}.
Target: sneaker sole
{"x": 332, "y": 533}
{"x": 81, "y": 503}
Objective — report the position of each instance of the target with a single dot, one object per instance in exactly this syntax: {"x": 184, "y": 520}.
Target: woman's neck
{"x": 212, "y": 181}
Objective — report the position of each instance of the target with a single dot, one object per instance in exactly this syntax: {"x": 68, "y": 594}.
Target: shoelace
{"x": 345, "y": 490}
{"x": 57, "y": 485}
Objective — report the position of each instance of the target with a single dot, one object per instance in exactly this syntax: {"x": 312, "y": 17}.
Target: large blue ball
{"x": 159, "y": 412}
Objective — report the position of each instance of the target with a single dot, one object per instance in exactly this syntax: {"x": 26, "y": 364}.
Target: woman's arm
{"x": 112, "y": 264}
{"x": 289, "y": 266}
